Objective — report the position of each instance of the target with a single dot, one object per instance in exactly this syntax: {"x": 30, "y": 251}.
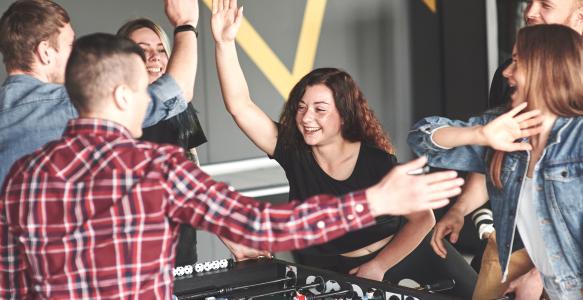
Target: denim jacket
{"x": 558, "y": 178}
{"x": 33, "y": 113}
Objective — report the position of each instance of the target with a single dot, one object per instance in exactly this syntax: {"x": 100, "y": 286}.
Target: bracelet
{"x": 186, "y": 27}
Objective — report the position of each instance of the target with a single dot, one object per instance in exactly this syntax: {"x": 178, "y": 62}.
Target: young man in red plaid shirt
{"x": 96, "y": 213}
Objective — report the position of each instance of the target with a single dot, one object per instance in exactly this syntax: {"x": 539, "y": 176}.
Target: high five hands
{"x": 226, "y": 20}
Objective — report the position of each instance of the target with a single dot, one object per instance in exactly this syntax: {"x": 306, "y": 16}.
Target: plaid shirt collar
{"x": 93, "y": 126}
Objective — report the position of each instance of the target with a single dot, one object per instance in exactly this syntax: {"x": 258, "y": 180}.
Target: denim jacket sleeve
{"x": 470, "y": 158}
{"x": 167, "y": 100}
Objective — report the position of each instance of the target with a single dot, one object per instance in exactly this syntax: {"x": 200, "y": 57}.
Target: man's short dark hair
{"x": 98, "y": 63}
{"x": 24, "y": 25}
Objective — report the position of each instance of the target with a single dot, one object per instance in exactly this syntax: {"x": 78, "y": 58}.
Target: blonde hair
{"x": 130, "y": 26}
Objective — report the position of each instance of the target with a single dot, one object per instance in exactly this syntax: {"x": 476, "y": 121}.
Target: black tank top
{"x": 307, "y": 179}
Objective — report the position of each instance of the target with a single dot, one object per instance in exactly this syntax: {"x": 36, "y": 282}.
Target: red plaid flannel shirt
{"x": 96, "y": 213}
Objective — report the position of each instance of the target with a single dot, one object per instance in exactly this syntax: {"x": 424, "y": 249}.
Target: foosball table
{"x": 269, "y": 278}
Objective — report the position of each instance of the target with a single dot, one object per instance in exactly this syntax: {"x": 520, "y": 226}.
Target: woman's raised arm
{"x": 254, "y": 122}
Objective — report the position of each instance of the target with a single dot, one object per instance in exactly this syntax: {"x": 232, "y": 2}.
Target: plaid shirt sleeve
{"x": 214, "y": 206}
{"x": 13, "y": 280}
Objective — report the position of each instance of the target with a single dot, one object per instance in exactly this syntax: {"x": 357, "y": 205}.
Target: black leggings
{"x": 422, "y": 266}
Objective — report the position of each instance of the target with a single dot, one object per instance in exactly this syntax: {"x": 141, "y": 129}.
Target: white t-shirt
{"x": 529, "y": 227}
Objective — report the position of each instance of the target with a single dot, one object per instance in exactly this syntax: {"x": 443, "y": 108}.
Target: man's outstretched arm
{"x": 194, "y": 198}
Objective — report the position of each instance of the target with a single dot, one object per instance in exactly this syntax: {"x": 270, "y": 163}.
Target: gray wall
{"x": 368, "y": 38}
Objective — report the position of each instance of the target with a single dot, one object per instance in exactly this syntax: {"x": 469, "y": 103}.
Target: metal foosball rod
{"x": 347, "y": 294}
{"x": 226, "y": 290}
{"x": 439, "y": 286}
{"x": 318, "y": 284}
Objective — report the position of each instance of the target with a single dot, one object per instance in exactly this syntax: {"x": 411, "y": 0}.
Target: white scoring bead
{"x": 215, "y": 265}
{"x": 199, "y": 267}
{"x": 207, "y": 266}
{"x": 223, "y": 263}
{"x": 188, "y": 269}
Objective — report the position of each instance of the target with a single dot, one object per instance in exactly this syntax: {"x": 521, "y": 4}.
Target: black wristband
{"x": 186, "y": 27}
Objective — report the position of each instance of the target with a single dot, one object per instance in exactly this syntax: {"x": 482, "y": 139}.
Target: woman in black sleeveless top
{"x": 329, "y": 141}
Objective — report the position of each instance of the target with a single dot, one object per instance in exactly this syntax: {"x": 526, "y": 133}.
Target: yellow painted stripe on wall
{"x": 431, "y": 4}
{"x": 269, "y": 63}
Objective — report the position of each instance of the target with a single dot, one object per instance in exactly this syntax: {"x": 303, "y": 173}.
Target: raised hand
{"x": 502, "y": 132}
{"x": 451, "y": 223}
{"x": 181, "y": 12}
{"x": 399, "y": 193}
{"x": 226, "y": 20}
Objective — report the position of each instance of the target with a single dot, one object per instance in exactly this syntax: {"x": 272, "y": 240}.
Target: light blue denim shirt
{"x": 557, "y": 176}
{"x": 33, "y": 113}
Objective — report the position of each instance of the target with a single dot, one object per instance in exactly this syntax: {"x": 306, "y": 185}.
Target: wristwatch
{"x": 186, "y": 27}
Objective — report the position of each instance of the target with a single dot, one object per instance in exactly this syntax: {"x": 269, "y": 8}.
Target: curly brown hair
{"x": 358, "y": 120}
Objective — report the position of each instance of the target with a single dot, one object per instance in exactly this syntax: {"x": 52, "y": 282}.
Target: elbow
{"x": 231, "y": 110}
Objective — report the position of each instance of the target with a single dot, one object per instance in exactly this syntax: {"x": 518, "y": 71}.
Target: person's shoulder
{"x": 166, "y": 154}
{"x": 24, "y": 89}
{"x": 376, "y": 154}
{"x": 577, "y": 123}
{"x": 36, "y": 162}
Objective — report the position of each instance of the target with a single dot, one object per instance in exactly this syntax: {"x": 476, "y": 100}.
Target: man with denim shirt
{"x": 35, "y": 39}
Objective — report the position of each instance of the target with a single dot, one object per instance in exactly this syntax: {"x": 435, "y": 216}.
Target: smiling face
{"x": 317, "y": 117}
{"x": 564, "y": 12}
{"x": 516, "y": 76}
{"x": 156, "y": 56}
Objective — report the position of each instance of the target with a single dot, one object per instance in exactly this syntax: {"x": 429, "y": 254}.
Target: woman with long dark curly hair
{"x": 328, "y": 140}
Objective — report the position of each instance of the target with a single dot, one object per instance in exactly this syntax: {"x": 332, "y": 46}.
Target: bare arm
{"x": 402, "y": 244}
{"x": 249, "y": 117}
{"x": 184, "y": 57}
{"x": 474, "y": 195}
